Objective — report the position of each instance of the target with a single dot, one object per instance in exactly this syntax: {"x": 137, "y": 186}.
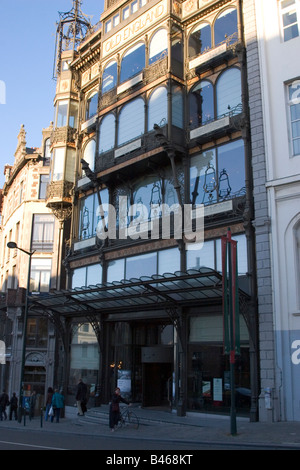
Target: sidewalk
{"x": 166, "y": 426}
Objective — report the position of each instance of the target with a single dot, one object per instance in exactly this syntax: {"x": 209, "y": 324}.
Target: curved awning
{"x": 179, "y": 289}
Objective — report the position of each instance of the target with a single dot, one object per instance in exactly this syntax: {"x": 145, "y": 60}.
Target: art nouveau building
{"x": 165, "y": 92}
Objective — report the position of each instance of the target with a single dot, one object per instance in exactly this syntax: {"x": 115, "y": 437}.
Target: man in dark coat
{"x": 13, "y": 406}
{"x": 4, "y": 402}
{"x": 81, "y": 397}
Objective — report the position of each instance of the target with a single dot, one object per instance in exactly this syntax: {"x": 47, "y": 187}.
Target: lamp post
{"x": 13, "y": 245}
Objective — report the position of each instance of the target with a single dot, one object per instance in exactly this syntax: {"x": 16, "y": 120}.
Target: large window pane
{"x": 62, "y": 113}
{"x": 133, "y": 62}
{"x": 289, "y": 19}
{"x": 294, "y": 104}
{"x": 89, "y": 153}
{"x": 143, "y": 265}
{"x": 131, "y": 121}
{"x": 78, "y": 278}
{"x": 70, "y": 165}
{"x": 168, "y": 261}
{"x": 177, "y": 107}
{"x": 201, "y": 104}
{"x": 203, "y": 178}
{"x": 226, "y": 26}
{"x": 229, "y": 92}
{"x": 58, "y": 163}
{"x": 231, "y": 163}
{"x": 94, "y": 275}
{"x": 147, "y": 197}
{"x": 42, "y": 232}
{"x": 109, "y": 77}
{"x": 91, "y": 105}
{"x": 107, "y": 133}
{"x": 40, "y": 275}
{"x": 158, "y": 46}
{"x": 73, "y": 117}
{"x": 87, "y": 217}
{"x": 158, "y": 108}
{"x": 116, "y": 270}
{"x": 205, "y": 257}
{"x": 200, "y": 40}
{"x": 241, "y": 254}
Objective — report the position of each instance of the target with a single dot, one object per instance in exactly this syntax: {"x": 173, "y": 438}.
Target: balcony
{"x": 63, "y": 135}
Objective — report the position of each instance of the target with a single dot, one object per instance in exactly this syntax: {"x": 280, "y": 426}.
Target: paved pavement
{"x": 166, "y": 426}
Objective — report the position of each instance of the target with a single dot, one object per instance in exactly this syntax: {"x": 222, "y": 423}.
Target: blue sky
{"x": 27, "y": 44}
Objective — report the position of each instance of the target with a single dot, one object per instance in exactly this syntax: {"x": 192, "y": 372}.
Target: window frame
{"x": 291, "y": 102}
{"x": 285, "y": 10}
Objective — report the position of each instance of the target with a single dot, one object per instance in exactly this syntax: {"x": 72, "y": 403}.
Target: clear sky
{"x": 27, "y": 46}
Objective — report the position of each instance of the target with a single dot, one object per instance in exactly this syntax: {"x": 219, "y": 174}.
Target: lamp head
{"x": 12, "y": 245}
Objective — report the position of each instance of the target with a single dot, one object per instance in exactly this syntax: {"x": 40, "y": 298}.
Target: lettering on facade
{"x": 296, "y": 354}
{"x": 2, "y": 352}
{"x": 135, "y": 27}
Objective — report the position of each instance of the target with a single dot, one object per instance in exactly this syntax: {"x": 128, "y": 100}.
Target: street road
{"x": 25, "y": 439}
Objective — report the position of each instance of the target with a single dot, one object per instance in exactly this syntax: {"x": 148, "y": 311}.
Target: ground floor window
{"x": 208, "y": 378}
{"x": 85, "y": 361}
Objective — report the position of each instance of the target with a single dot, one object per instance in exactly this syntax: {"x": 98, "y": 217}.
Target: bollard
{"x": 24, "y": 411}
{"x": 41, "y": 417}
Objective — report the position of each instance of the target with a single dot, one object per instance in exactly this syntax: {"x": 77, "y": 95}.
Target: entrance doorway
{"x": 157, "y": 384}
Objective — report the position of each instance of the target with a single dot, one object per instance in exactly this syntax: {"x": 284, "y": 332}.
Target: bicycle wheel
{"x": 133, "y": 420}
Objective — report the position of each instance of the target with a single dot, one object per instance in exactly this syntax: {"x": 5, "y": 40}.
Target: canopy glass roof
{"x": 159, "y": 291}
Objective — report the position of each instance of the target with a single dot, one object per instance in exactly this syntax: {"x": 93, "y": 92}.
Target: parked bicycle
{"x": 128, "y": 418}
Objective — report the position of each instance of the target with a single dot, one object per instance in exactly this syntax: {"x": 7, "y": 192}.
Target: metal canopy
{"x": 158, "y": 291}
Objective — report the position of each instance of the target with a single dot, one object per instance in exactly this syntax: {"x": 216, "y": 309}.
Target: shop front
{"x": 161, "y": 340}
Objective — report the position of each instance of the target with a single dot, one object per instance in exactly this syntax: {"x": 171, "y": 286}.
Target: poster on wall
{"x": 124, "y": 382}
{"x": 217, "y": 390}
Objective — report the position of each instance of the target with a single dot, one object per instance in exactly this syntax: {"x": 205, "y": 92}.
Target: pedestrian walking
{"x": 13, "y": 406}
{"x": 58, "y": 401}
{"x": 48, "y": 402}
{"x": 81, "y": 397}
{"x": 114, "y": 409}
{"x": 32, "y": 403}
{"x": 4, "y": 402}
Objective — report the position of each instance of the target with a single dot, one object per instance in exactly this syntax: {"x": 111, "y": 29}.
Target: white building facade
{"x": 278, "y": 25}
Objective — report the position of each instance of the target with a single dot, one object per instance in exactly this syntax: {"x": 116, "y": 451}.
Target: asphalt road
{"x": 180, "y": 453}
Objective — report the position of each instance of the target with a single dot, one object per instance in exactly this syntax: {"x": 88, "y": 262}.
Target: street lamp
{"x": 13, "y": 245}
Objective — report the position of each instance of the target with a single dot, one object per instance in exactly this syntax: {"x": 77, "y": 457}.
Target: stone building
{"x": 278, "y": 275}
{"x": 26, "y": 221}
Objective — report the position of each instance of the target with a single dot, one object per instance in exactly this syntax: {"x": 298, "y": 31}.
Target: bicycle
{"x": 128, "y": 418}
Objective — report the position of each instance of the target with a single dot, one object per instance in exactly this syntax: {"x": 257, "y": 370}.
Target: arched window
{"x": 200, "y": 39}
{"x": 107, "y": 133}
{"x": 131, "y": 121}
{"x": 229, "y": 91}
{"x": 109, "y": 76}
{"x": 89, "y": 153}
{"x": 158, "y": 46}
{"x": 91, "y": 105}
{"x": 201, "y": 104}
{"x": 133, "y": 62}
{"x": 226, "y": 26}
{"x": 157, "y": 108}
